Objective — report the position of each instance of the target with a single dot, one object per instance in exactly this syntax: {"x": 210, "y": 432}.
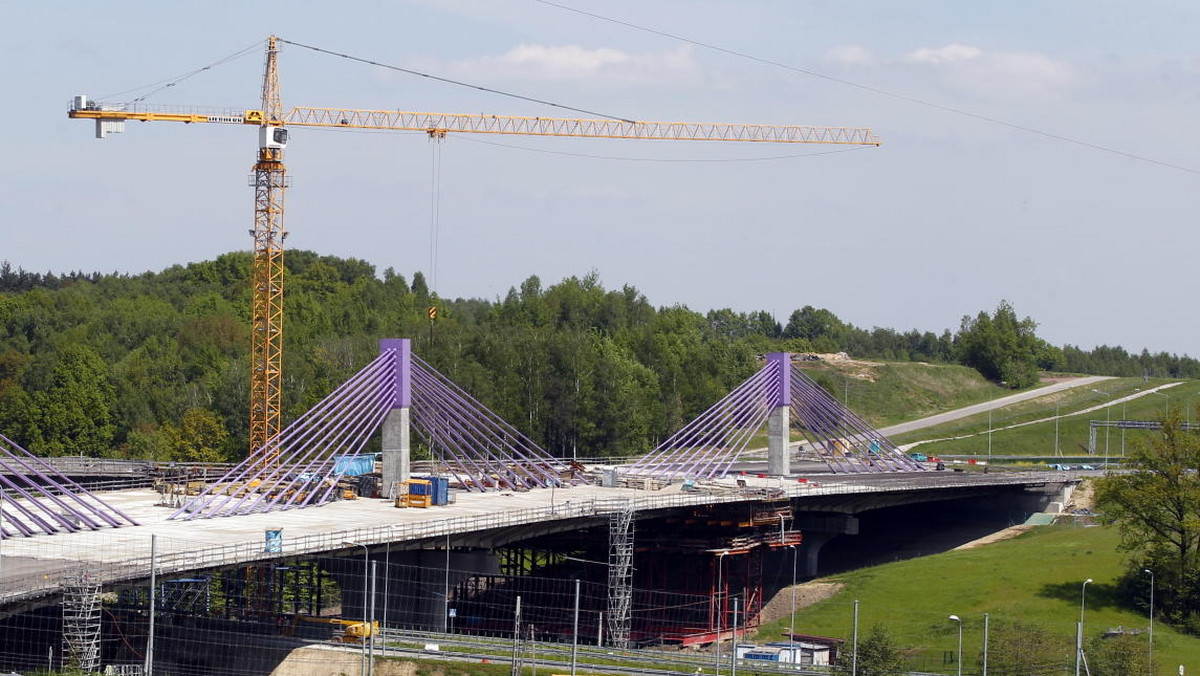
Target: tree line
{"x": 155, "y": 365}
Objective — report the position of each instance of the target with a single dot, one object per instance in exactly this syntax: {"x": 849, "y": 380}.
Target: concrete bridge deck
{"x": 35, "y": 566}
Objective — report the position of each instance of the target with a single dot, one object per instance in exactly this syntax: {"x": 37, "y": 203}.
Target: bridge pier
{"x": 410, "y": 585}
{"x": 818, "y": 530}
{"x": 779, "y": 422}
{"x": 396, "y": 431}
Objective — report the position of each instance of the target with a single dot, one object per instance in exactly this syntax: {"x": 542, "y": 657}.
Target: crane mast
{"x": 269, "y": 180}
{"x": 266, "y": 336}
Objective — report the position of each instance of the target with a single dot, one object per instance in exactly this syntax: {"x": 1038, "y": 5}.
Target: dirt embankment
{"x": 807, "y": 594}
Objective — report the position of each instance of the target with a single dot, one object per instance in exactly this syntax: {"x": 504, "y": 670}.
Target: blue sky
{"x": 952, "y": 214}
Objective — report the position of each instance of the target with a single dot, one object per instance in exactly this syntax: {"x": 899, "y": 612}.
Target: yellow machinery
{"x": 346, "y": 631}
{"x": 270, "y": 180}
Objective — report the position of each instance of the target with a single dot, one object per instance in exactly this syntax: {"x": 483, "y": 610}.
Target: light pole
{"x": 575, "y": 631}
{"x": 362, "y": 663}
{"x": 446, "y": 590}
{"x": 148, "y": 668}
{"x": 1107, "y": 420}
{"x": 371, "y": 626}
{"x": 958, "y": 660}
{"x": 854, "y": 649}
{"x": 1123, "y": 404}
{"x": 792, "y": 624}
{"x": 1150, "y": 650}
{"x": 985, "y": 643}
{"x": 1167, "y": 408}
{"x": 1056, "y": 419}
{"x": 720, "y": 602}
{"x": 782, "y": 540}
{"x": 1079, "y": 627}
{"x": 1, "y": 537}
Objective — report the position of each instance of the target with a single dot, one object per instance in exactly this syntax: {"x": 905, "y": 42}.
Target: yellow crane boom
{"x": 270, "y": 180}
{"x": 399, "y": 120}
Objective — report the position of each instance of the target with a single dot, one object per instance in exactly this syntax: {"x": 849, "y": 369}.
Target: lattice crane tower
{"x": 270, "y": 179}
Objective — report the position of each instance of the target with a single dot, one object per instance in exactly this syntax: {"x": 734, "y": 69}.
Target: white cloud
{"x": 948, "y": 54}
{"x": 575, "y": 63}
{"x": 851, "y": 55}
{"x": 997, "y": 75}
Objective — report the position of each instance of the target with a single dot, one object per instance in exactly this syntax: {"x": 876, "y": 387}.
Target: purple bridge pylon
{"x": 396, "y": 392}
{"x": 37, "y": 499}
{"x": 784, "y": 400}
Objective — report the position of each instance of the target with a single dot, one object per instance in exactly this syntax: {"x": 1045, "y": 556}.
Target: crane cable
{"x": 877, "y": 90}
{"x": 171, "y": 82}
{"x": 459, "y": 83}
{"x": 434, "y": 210}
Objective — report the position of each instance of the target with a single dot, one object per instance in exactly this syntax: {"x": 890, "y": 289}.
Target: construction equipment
{"x": 270, "y": 179}
{"x": 345, "y": 631}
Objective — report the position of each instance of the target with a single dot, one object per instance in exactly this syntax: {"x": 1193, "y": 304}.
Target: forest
{"x": 156, "y": 365}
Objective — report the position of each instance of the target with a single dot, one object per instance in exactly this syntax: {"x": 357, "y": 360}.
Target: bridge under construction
{"x": 681, "y": 546}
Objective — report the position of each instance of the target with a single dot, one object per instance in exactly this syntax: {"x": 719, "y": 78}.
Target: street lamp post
{"x": 782, "y": 540}
{"x": 362, "y": 664}
{"x": 446, "y": 589}
{"x": 575, "y": 631}
{"x": 1150, "y": 650}
{"x": 989, "y": 435}
{"x": 1, "y": 536}
{"x": 854, "y": 649}
{"x": 371, "y": 627}
{"x": 1167, "y": 407}
{"x": 1079, "y": 627}
{"x": 792, "y": 624}
{"x": 958, "y": 660}
{"x": 1123, "y": 404}
{"x": 985, "y": 643}
{"x": 1057, "y": 404}
{"x": 720, "y": 603}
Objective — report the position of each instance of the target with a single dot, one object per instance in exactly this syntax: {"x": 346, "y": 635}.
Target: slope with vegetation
{"x": 1029, "y": 586}
{"x": 155, "y": 365}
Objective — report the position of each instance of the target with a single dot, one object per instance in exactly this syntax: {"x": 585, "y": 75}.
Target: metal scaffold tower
{"x": 81, "y": 622}
{"x": 620, "y": 575}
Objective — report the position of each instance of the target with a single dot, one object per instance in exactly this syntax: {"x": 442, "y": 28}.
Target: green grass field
{"x": 1036, "y": 577}
{"x": 886, "y": 393}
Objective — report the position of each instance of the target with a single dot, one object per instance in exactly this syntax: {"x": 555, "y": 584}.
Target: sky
{"x": 1040, "y": 153}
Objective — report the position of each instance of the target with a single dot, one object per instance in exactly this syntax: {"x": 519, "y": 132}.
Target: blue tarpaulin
{"x": 354, "y": 465}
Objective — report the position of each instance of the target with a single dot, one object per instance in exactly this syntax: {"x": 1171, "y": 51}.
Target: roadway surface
{"x": 35, "y": 566}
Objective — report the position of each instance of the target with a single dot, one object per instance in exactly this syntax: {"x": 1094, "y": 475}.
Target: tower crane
{"x": 270, "y": 179}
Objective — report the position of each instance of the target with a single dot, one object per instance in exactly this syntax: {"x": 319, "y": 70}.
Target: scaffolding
{"x": 620, "y": 575}
{"x": 81, "y": 622}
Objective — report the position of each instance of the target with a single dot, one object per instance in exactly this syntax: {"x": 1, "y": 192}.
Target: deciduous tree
{"x": 1157, "y": 508}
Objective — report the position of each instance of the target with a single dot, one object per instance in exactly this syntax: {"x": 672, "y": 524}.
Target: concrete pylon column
{"x": 779, "y": 420}
{"x": 397, "y": 436}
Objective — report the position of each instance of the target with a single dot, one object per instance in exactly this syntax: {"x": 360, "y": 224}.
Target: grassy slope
{"x": 1039, "y": 438}
{"x": 886, "y": 393}
{"x": 1036, "y": 577}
